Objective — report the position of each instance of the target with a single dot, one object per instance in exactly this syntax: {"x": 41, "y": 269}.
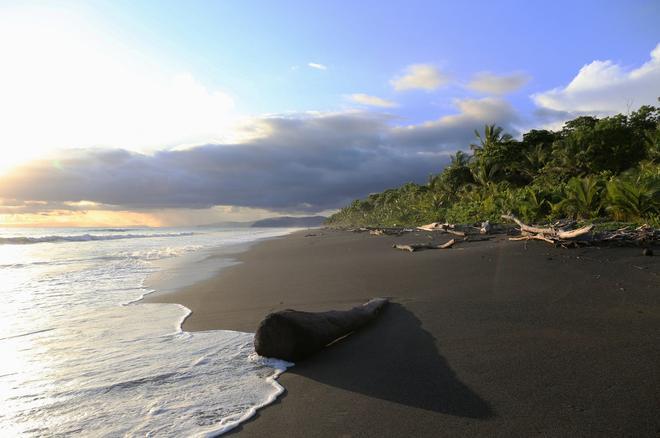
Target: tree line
{"x": 597, "y": 169}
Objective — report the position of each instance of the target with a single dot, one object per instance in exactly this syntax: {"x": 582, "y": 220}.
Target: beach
{"x": 493, "y": 338}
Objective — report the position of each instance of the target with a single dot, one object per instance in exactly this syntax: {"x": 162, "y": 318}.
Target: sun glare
{"x": 64, "y": 83}
{"x": 89, "y": 218}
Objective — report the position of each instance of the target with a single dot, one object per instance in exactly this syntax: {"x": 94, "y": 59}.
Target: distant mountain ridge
{"x": 290, "y": 221}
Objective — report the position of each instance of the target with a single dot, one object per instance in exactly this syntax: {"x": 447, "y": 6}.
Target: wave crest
{"x": 25, "y": 240}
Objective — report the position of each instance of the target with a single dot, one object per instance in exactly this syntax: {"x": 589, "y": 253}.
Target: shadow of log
{"x": 395, "y": 359}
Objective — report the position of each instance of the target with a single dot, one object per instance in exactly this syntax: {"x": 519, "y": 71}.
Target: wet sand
{"x": 492, "y": 338}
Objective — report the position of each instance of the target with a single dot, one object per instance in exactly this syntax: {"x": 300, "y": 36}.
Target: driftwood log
{"x": 560, "y": 233}
{"x": 557, "y": 235}
{"x": 293, "y": 335}
{"x": 640, "y": 236}
{"x": 550, "y": 233}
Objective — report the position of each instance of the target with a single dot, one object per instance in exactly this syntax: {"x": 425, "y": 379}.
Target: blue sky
{"x": 250, "y": 48}
{"x": 199, "y": 111}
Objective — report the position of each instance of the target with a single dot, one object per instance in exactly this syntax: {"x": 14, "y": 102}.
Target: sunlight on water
{"x": 78, "y": 361}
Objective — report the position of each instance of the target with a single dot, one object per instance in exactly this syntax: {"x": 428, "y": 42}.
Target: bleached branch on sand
{"x": 550, "y": 234}
{"x": 421, "y": 246}
{"x": 445, "y": 228}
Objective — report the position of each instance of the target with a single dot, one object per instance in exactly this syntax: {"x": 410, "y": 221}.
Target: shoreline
{"x": 188, "y": 269}
{"x": 185, "y": 271}
{"x": 487, "y": 338}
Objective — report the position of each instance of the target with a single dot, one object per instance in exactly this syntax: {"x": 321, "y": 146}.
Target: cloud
{"x": 306, "y": 162}
{"x": 317, "y": 66}
{"x": 605, "y": 87}
{"x": 420, "y": 77}
{"x": 365, "y": 99}
{"x": 458, "y": 129}
{"x": 490, "y": 83}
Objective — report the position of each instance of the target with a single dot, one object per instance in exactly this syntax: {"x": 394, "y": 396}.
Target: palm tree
{"x": 485, "y": 173}
{"x": 533, "y": 205}
{"x": 628, "y": 200}
{"x": 652, "y": 141}
{"x": 582, "y": 197}
{"x": 532, "y": 161}
{"x": 492, "y": 136}
{"x": 460, "y": 159}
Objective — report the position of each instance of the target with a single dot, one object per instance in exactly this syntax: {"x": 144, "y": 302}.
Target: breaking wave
{"x": 25, "y": 240}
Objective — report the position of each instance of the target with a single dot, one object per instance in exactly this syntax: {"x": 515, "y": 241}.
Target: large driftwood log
{"x": 293, "y": 335}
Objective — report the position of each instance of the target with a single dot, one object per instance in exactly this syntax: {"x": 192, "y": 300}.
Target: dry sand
{"x": 489, "y": 339}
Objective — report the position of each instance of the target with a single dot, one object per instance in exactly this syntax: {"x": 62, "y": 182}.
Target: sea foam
{"x": 76, "y": 362}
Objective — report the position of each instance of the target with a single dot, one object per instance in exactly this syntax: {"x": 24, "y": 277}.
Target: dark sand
{"x": 489, "y": 339}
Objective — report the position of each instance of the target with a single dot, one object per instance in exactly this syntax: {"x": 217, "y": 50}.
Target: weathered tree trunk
{"x": 293, "y": 335}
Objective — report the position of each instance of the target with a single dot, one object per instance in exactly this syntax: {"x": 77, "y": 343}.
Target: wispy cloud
{"x": 365, "y": 99}
{"x": 420, "y": 77}
{"x": 491, "y": 83}
{"x": 317, "y": 66}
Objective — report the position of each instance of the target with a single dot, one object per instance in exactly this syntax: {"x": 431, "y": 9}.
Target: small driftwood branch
{"x": 381, "y": 231}
{"x": 534, "y": 237}
{"x": 474, "y": 238}
{"x": 526, "y": 228}
{"x": 412, "y": 247}
{"x": 446, "y": 245}
{"x": 433, "y": 226}
{"x": 443, "y": 228}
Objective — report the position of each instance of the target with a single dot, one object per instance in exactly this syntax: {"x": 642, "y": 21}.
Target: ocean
{"x": 81, "y": 355}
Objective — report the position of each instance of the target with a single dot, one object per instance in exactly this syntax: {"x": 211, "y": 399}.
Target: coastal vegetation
{"x": 593, "y": 169}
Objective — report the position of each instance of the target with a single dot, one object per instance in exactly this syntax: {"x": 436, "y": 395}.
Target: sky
{"x": 180, "y": 113}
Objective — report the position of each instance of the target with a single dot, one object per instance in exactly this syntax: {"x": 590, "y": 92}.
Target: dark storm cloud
{"x": 300, "y": 163}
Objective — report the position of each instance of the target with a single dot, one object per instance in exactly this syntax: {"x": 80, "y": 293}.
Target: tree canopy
{"x": 593, "y": 168}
